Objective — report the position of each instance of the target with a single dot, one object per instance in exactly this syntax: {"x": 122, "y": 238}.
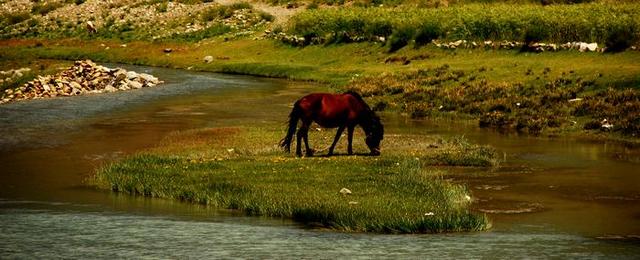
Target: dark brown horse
{"x": 333, "y": 110}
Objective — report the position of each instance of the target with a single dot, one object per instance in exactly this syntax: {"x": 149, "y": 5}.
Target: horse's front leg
{"x": 309, "y": 151}
{"x": 350, "y": 139}
{"x": 335, "y": 140}
{"x": 299, "y": 136}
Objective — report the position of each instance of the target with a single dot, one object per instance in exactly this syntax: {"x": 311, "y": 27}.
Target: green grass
{"x": 554, "y": 24}
{"x": 540, "y": 100}
{"x": 223, "y": 11}
{"x": 209, "y": 32}
{"x": 242, "y": 169}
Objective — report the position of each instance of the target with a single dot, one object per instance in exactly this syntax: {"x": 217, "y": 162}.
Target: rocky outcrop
{"x": 82, "y": 78}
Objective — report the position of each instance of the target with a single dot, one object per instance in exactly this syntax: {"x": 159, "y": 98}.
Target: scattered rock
{"x": 605, "y": 125}
{"x": 91, "y": 28}
{"x": 345, "y": 191}
{"x": 109, "y": 89}
{"x": 168, "y": 50}
{"x": 131, "y": 75}
{"x": 148, "y": 78}
{"x": 208, "y": 59}
{"x": 135, "y": 84}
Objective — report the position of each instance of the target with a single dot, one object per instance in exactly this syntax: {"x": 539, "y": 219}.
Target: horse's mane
{"x": 359, "y": 97}
{"x": 355, "y": 94}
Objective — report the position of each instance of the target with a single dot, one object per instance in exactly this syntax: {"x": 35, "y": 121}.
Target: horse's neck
{"x": 365, "y": 121}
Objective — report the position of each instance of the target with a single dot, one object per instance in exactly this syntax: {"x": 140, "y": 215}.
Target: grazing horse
{"x": 333, "y": 110}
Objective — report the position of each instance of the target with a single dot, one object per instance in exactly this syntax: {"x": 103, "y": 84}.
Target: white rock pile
{"x": 82, "y": 78}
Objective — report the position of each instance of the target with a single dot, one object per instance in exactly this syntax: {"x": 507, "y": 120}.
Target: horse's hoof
{"x": 310, "y": 152}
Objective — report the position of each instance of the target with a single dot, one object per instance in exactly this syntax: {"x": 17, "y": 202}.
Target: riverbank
{"x": 553, "y": 93}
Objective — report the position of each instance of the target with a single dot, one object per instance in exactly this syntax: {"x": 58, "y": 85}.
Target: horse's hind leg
{"x": 303, "y": 134}
{"x": 299, "y": 141}
{"x": 335, "y": 140}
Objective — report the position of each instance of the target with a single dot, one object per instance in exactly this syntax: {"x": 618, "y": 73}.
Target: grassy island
{"x": 240, "y": 169}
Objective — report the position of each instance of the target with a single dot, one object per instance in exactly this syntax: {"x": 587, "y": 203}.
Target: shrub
{"x": 400, "y": 38}
{"x": 620, "y": 39}
{"x": 378, "y": 28}
{"x": 223, "y": 11}
{"x": 44, "y": 8}
{"x": 426, "y": 33}
{"x": 14, "y": 18}
{"x": 162, "y": 7}
{"x": 266, "y": 16}
{"x": 312, "y": 5}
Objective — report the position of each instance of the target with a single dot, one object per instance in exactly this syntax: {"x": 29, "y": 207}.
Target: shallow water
{"x": 551, "y": 198}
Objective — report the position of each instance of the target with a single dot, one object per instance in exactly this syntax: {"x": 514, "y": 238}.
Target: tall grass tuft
{"x": 400, "y": 37}
{"x": 556, "y": 23}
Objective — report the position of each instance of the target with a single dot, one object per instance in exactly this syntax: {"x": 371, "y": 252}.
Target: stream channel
{"x": 550, "y": 198}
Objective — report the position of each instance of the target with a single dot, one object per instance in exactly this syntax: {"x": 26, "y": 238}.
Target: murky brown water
{"x": 589, "y": 188}
{"x": 551, "y": 198}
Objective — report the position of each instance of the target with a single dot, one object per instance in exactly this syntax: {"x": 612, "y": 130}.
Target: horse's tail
{"x": 295, "y": 114}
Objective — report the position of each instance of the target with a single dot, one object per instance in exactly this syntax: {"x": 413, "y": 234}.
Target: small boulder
{"x": 208, "y": 59}
{"x": 90, "y": 27}
{"x": 148, "y": 78}
{"x": 132, "y": 75}
{"x": 109, "y": 89}
{"x": 345, "y": 191}
{"x": 135, "y": 85}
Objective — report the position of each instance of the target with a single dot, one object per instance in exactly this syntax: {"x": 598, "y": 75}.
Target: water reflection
{"x": 78, "y": 233}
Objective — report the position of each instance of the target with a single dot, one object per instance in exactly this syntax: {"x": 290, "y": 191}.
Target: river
{"x": 551, "y": 198}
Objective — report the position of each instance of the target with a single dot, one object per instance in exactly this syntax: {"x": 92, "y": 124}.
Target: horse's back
{"x": 331, "y": 110}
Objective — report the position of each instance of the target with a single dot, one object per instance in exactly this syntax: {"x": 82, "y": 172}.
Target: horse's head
{"x": 375, "y": 133}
